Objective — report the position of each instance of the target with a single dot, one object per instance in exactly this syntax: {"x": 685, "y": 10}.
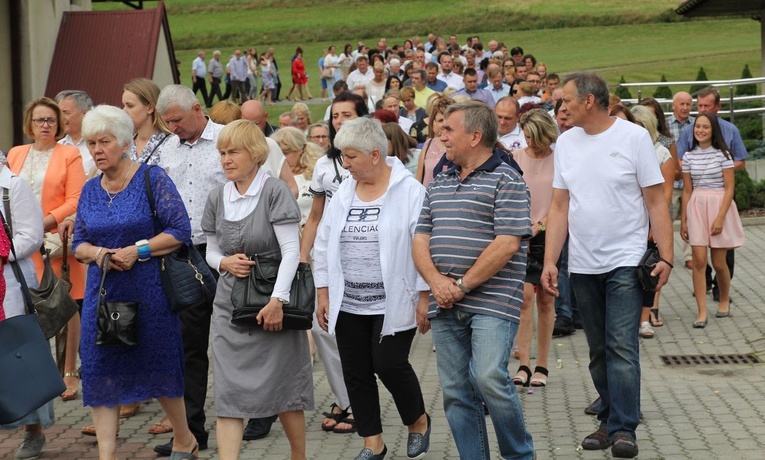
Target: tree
{"x": 746, "y": 90}
{"x": 663, "y": 92}
{"x": 701, "y": 76}
{"x": 622, "y": 91}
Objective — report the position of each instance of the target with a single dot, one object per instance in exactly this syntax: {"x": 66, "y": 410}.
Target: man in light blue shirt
{"x": 238, "y": 66}
{"x": 496, "y": 87}
{"x": 471, "y": 89}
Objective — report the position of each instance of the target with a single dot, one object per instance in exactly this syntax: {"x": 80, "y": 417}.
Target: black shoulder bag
{"x": 186, "y": 278}
{"x": 116, "y": 322}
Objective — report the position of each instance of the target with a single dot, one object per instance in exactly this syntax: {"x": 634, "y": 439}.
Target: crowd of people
{"x": 449, "y": 189}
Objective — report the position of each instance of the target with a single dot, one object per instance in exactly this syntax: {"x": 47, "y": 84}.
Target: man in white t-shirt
{"x": 607, "y": 187}
{"x": 510, "y": 133}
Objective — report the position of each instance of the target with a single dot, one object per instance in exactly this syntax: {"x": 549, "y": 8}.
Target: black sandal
{"x": 519, "y": 381}
{"x": 349, "y": 421}
{"x": 539, "y": 382}
{"x": 331, "y": 415}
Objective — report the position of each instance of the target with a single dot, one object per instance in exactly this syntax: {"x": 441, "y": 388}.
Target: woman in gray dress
{"x": 262, "y": 371}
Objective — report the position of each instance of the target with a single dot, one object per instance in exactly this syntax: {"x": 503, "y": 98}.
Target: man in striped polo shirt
{"x": 470, "y": 246}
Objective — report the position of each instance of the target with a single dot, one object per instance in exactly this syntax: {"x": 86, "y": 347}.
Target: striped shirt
{"x": 706, "y": 167}
{"x": 463, "y": 217}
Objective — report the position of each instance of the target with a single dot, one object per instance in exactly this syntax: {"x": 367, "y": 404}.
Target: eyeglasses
{"x": 318, "y": 137}
{"x": 43, "y": 121}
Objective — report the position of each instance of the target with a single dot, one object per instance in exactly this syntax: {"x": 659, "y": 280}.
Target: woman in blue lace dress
{"x": 114, "y": 216}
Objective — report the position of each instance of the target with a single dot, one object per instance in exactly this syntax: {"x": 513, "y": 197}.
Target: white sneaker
{"x": 31, "y": 446}
{"x": 646, "y": 331}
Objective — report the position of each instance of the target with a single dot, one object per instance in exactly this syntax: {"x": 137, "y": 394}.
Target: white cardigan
{"x": 398, "y": 219}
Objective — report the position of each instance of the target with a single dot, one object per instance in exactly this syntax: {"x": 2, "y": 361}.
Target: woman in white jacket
{"x": 368, "y": 286}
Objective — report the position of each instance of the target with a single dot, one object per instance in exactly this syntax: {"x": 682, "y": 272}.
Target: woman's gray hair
{"x": 363, "y": 134}
{"x": 108, "y": 119}
{"x": 477, "y": 117}
{"x": 179, "y": 95}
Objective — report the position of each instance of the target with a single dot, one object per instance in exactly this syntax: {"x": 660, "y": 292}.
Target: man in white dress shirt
{"x": 510, "y": 133}
{"x": 74, "y": 105}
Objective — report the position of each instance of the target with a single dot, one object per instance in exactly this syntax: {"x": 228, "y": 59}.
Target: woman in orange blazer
{"x": 56, "y": 175}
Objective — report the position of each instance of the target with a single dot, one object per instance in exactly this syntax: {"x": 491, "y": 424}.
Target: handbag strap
{"x": 28, "y": 304}
{"x": 159, "y": 144}
{"x": 150, "y": 195}
{"x": 104, "y": 269}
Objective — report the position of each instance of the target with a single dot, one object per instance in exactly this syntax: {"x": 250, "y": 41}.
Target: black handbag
{"x": 646, "y": 266}
{"x": 249, "y": 295}
{"x": 55, "y": 307}
{"x": 186, "y": 278}
{"x": 29, "y": 376}
{"x": 116, "y": 322}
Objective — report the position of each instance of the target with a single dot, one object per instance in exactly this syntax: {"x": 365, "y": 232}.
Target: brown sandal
{"x": 90, "y": 430}
{"x": 129, "y": 410}
{"x": 161, "y": 427}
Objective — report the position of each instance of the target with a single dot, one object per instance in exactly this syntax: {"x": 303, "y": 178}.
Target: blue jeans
{"x": 473, "y": 352}
{"x": 610, "y": 307}
{"x": 566, "y": 310}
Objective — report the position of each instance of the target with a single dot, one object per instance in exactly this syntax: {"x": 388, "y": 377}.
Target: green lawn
{"x": 640, "y": 39}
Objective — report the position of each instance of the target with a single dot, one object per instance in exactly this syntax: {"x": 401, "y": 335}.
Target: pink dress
{"x": 433, "y": 151}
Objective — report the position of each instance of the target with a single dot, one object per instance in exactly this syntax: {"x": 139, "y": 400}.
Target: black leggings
{"x": 363, "y": 353}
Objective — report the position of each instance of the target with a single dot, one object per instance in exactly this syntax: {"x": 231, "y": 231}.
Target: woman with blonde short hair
{"x": 260, "y": 371}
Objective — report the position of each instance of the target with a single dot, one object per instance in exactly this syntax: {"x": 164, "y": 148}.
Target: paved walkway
{"x": 698, "y": 412}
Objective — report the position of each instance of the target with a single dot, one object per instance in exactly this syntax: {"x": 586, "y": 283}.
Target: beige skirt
{"x": 703, "y": 208}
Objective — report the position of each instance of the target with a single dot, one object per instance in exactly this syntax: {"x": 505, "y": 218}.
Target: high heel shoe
{"x": 518, "y": 380}
{"x": 71, "y": 393}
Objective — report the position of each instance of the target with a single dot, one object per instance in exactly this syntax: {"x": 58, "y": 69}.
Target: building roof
{"x": 98, "y": 52}
{"x": 696, "y": 8}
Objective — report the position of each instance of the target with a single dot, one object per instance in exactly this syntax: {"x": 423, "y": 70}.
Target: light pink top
{"x": 538, "y": 174}
{"x": 432, "y": 157}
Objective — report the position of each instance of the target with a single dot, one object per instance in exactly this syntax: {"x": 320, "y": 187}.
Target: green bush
{"x": 623, "y": 92}
{"x": 744, "y": 190}
{"x": 663, "y": 92}
{"x": 757, "y": 199}
{"x": 701, "y": 76}
{"x": 746, "y": 90}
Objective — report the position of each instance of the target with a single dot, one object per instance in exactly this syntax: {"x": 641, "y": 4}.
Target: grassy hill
{"x": 639, "y": 39}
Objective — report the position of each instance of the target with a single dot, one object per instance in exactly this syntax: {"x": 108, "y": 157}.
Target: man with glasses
{"x": 534, "y": 78}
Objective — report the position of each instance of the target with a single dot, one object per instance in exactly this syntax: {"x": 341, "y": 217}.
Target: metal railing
{"x": 730, "y": 100}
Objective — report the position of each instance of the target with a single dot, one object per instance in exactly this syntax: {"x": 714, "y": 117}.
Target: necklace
{"x": 106, "y": 188}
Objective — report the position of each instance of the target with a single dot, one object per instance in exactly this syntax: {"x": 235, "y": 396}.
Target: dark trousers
{"x": 363, "y": 354}
{"x": 202, "y": 87}
{"x": 730, "y": 258}
{"x": 195, "y": 329}
{"x": 238, "y": 92}
{"x": 275, "y": 92}
{"x": 215, "y": 90}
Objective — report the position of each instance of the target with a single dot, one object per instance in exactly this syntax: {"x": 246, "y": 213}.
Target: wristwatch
{"x": 285, "y": 302}
{"x": 462, "y": 286}
{"x": 542, "y": 227}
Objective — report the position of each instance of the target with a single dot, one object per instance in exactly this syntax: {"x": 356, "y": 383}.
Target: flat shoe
{"x": 70, "y": 393}
{"x": 349, "y": 421}
{"x": 722, "y": 314}
{"x": 700, "y": 324}
{"x": 417, "y": 444}
{"x": 367, "y": 454}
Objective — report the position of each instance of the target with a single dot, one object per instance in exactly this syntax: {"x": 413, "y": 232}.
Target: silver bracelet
{"x": 98, "y": 253}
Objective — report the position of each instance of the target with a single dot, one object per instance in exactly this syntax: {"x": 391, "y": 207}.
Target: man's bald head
{"x": 254, "y": 111}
